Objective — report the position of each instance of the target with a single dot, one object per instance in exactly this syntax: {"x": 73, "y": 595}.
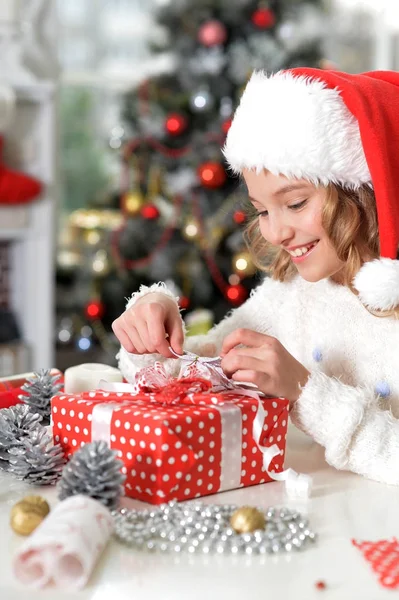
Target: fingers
{"x": 176, "y": 335}
{"x": 246, "y": 337}
{"x": 261, "y": 380}
{"x": 237, "y": 361}
{"x": 145, "y": 328}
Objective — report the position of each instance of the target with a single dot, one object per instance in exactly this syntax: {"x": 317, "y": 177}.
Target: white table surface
{"x": 342, "y": 506}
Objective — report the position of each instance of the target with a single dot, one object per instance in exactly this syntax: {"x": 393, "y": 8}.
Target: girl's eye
{"x": 298, "y": 205}
{"x": 263, "y": 213}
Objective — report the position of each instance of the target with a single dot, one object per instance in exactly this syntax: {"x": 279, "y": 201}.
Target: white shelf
{"x": 30, "y": 228}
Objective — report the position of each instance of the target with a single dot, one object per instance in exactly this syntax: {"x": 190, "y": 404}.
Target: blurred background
{"x": 112, "y": 118}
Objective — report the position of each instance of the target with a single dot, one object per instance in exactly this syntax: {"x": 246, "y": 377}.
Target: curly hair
{"x": 350, "y": 220}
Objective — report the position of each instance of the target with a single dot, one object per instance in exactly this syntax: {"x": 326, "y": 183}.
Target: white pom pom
{"x": 378, "y": 284}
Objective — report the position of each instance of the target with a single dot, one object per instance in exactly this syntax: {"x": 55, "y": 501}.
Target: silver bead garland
{"x": 205, "y": 528}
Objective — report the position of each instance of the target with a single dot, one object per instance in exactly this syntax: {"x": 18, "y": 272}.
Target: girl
{"x": 318, "y": 151}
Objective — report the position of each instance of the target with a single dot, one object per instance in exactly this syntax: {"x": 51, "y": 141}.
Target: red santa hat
{"x": 329, "y": 127}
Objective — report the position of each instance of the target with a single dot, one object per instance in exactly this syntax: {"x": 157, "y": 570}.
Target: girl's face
{"x": 290, "y": 216}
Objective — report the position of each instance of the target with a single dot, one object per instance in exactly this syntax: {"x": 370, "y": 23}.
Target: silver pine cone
{"x": 16, "y": 424}
{"x": 36, "y": 460}
{"x": 39, "y": 389}
{"x": 94, "y": 471}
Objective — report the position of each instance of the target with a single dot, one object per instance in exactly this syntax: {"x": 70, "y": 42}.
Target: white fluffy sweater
{"x": 350, "y": 404}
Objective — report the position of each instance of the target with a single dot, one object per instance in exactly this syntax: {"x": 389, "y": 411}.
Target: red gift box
{"x": 11, "y": 387}
{"x": 181, "y": 444}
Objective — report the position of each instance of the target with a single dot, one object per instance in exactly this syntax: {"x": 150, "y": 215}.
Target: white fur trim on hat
{"x": 297, "y": 127}
{"x": 378, "y": 284}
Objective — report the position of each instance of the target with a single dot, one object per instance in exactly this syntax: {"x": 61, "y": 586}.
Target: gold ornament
{"x": 92, "y": 237}
{"x": 27, "y": 514}
{"x": 191, "y": 229}
{"x": 242, "y": 264}
{"x": 247, "y": 519}
{"x": 101, "y": 263}
{"x": 132, "y": 202}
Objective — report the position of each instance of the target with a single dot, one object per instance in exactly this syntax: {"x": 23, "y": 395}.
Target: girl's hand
{"x": 264, "y": 362}
{"x": 151, "y": 325}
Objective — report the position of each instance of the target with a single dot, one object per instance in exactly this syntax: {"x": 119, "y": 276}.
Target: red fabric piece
{"x": 11, "y": 387}
{"x": 383, "y": 557}
{"x": 17, "y": 187}
{"x": 373, "y": 99}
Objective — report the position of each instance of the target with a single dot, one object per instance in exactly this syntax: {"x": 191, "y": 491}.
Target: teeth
{"x": 300, "y": 251}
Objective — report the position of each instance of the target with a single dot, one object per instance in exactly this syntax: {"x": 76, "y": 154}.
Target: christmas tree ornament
{"x": 150, "y": 212}
{"x": 263, "y": 18}
{"x": 247, "y": 519}
{"x": 191, "y": 229}
{"x": 83, "y": 343}
{"x": 212, "y": 33}
{"x": 16, "y": 423}
{"x": 95, "y": 309}
{"x": 132, "y": 202}
{"x": 212, "y": 174}
{"x": 94, "y": 471}
{"x": 184, "y": 302}
{"x": 226, "y": 125}
{"x": 226, "y": 107}
{"x": 199, "y": 322}
{"x": 201, "y": 101}
{"x": 38, "y": 391}
{"x": 239, "y": 217}
{"x": 176, "y": 124}
{"x": 196, "y": 527}
{"x": 243, "y": 265}
{"x": 92, "y": 237}
{"x": 28, "y": 513}
{"x": 236, "y": 294}
{"x": 101, "y": 264}
{"x": 36, "y": 460}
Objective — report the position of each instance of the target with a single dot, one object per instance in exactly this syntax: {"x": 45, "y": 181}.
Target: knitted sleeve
{"x": 356, "y": 433}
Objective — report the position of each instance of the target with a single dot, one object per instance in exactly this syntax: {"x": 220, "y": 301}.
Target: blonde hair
{"x": 350, "y": 221}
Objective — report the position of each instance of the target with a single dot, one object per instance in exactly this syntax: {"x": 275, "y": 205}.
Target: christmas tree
{"x": 180, "y": 209}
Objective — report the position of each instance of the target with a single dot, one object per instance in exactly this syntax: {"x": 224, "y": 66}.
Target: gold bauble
{"x": 242, "y": 264}
{"x": 27, "y": 514}
{"x": 132, "y": 203}
{"x": 247, "y": 519}
{"x": 191, "y": 229}
{"x": 92, "y": 236}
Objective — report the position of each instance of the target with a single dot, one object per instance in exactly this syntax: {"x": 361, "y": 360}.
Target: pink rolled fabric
{"x": 65, "y": 547}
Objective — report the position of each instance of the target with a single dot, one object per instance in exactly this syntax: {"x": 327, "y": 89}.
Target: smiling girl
{"x": 318, "y": 153}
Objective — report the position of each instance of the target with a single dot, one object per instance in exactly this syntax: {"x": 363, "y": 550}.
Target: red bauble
{"x": 184, "y": 302}
{"x": 212, "y": 33}
{"x": 264, "y": 18}
{"x": 212, "y": 174}
{"x": 236, "y": 294}
{"x": 226, "y": 125}
{"x": 175, "y": 124}
{"x": 239, "y": 217}
{"x": 150, "y": 212}
{"x": 95, "y": 309}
